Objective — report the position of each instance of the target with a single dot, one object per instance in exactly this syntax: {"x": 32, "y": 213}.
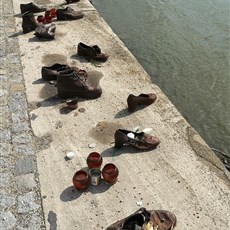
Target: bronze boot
{"x": 28, "y": 22}
{"x": 31, "y": 7}
{"x": 73, "y": 84}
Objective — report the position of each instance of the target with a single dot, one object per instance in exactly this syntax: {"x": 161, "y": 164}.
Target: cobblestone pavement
{"x": 20, "y": 200}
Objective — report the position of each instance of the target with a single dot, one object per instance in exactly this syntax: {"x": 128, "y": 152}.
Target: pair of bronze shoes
{"x": 71, "y": 81}
{"x": 146, "y": 220}
{"x": 139, "y": 140}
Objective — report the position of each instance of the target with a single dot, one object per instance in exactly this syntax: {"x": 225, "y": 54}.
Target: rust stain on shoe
{"x": 50, "y": 59}
{"x": 104, "y": 131}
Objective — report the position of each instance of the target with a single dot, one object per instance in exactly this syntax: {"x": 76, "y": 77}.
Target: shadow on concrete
{"x": 38, "y": 81}
{"x": 16, "y": 34}
{"x": 65, "y": 110}
{"x": 122, "y": 113}
{"x": 51, "y": 101}
{"x": 113, "y": 152}
{"x": 71, "y": 193}
{"x": 18, "y": 15}
{"x": 79, "y": 58}
{"x": 35, "y": 39}
{"x": 52, "y": 219}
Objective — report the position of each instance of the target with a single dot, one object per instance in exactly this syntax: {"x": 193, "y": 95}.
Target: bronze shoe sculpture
{"x": 31, "y": 7}
{"x": 68, "y": 14}
{"x": 71, "y": 83}
{"x": 140, "y": 141}
{"x": 143, "y": 99}
{"x": 50, "y": 73}
{"x": 29, "y": 22}
{"x": 93, "y": 52}
{"x": 145, "y": 220}
{"x": 45, "y": 31}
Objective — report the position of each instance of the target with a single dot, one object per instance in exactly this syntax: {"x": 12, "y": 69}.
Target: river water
{"x": 184, "y": 46}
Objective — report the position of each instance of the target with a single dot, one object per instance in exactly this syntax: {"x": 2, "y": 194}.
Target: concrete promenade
{"x": 182, "y": 175}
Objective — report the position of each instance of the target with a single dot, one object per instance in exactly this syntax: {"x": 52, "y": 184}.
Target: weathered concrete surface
{"x": 182, "y": 175}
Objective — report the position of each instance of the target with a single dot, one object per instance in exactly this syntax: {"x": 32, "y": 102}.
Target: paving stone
{"x": 4, "y": 164}
{"x": 4, "y": 180}
{"x": 21, "y": 138}
{"x": 3, "y": 92}
{"x": 7, "y": 220}
{"x": 4, "y": 110}
{"x": 16, "y": 78}
{"x": 17, "y": 102}
{"x": 6, "y": 200}
{"x": 20, "y": 116}
{"x": 24, "y": 165}
{"x": 3, "y": 78}
{"x": 4, "y": 122}
{"x": 35, "y": 222}
{"x": 20, "y": 127}
{"x": 25, "y": 183}
{"x": 23, "y": 149}
{"x": 5, "y": 149}
{"x": 26, "y": 203}
{"x": 4, "y": 135}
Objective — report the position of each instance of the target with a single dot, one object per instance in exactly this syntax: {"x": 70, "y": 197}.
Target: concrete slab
{"x": 182, "y": 175}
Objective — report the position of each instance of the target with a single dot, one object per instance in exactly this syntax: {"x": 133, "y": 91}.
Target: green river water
{"x": 184, "y": 47}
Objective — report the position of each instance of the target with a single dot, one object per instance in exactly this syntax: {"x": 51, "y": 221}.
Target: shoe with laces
{"x": 71, "y": 83}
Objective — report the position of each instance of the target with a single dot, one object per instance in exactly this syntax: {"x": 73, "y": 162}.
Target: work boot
{"x": 71, "y": 84}
{"x": 29, "y": 23}
{"x": 31, "y": 7}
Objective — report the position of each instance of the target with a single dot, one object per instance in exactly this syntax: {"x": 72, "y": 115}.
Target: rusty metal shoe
{"x": 145, "y": 220}
{"x": 73, "y": 84}
{"x": 140, "y": 141}
{"x": 68, "y": 14}
{"x": 50, "y": 73}
{"x": 45, "y": 31}
{"x": 143, "y": 99}
{"x": 93, "y": 52}
{"x": 29, "y": 22}
{"x": 31, "y": 7}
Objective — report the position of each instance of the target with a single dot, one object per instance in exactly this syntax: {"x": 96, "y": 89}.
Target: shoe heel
{"x": 118, "y": 145}
{"x": 119, "y": 140}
